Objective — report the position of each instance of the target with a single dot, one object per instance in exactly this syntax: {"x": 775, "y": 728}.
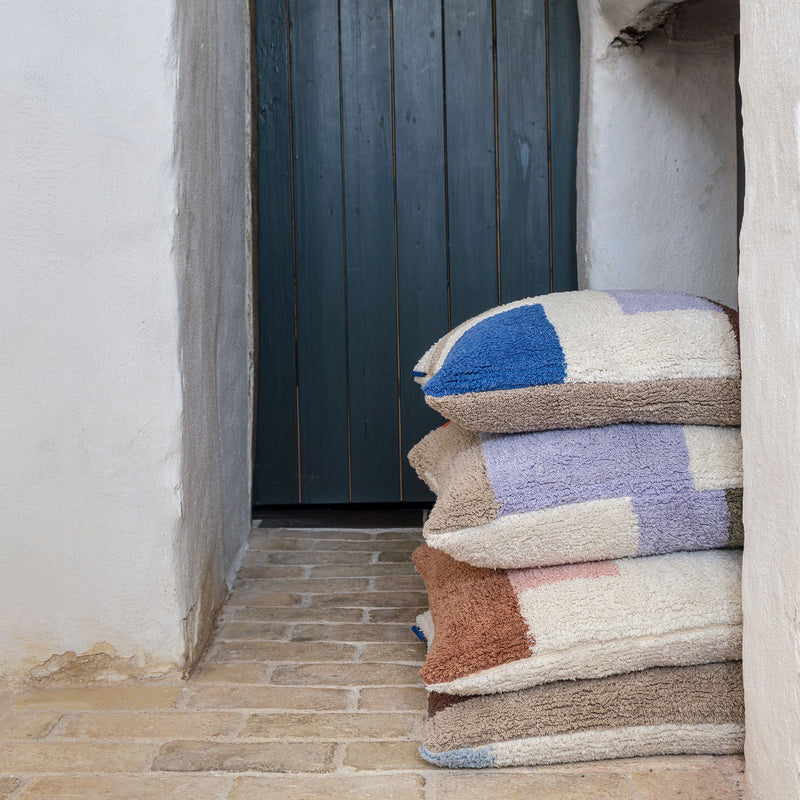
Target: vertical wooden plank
{"x": 469, "y": 95}
{"x": 421, "y": 246}
{"x": 564, "y": 70}
{"x": 522, "y": 125}
{"x": 275, "y": 472}
{"x": 319, "y": 252}
{"x": 369, "y": 215}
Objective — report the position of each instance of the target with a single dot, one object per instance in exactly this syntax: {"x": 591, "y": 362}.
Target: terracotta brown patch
{"x": 476, "y": 617}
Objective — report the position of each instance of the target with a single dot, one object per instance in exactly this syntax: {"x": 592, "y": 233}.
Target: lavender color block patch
{"x": 532, "y": 471}
{"x": 695, "y": 520}
{"x": 633, "y": 302}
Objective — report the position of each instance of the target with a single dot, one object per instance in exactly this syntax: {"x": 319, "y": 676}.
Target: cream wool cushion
{"x": 554, "y": 497}
{"x": 504, "y": 630}
{"x": 587, "y": 358}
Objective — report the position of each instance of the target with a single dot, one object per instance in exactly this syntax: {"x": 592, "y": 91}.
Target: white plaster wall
{"x": 620, "y": 14}
{"x": 91, "y": 403}
{"x": 656, "y": 161}
{"x": 122, "y": 293}
{"x": 770, "y": 298}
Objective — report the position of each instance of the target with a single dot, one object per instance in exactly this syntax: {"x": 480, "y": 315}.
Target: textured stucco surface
{"x": 656, "y": 161}
{"x": 234, "y": 340}
{"x": 91, "y": 422}
{"x": 124, "y": 410}
{"x": 211, "y": 264}
{"x": 770, "y": 294}
{"x": 623, "y": 14}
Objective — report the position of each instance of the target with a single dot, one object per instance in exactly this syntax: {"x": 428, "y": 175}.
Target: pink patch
{"x": 524, "y": 579}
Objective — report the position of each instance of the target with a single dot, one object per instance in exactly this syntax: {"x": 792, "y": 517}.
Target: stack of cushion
{"x": 582, "y": 559}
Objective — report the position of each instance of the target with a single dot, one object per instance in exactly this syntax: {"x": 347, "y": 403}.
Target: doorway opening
{"x": 416, "y": 166}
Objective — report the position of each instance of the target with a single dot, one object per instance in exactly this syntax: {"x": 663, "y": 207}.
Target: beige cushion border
{"x": 686, "y": 401}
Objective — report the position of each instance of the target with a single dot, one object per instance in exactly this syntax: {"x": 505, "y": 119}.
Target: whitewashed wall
{"x": 122, "y": 294}
{"x": 656, "y": 157}
{"x": 770, "y": 319}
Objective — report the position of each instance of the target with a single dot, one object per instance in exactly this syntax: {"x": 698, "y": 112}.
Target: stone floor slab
{"x": 395, "y": 698}
{"x": 131, "y": 698}
{"x": 510, "y": 785}
{"x": 385, "y": 756}
{"x": 272, "y": 571}
{"x": 253, "y": 588}
{"x": 701, "y": 784}
{"x": 8, "y": 786}
{"x": 403, "y": 545}
{"x": 326, "y": 787}
{"x": 370, "y": 600}
{"x": 158, "y": 726}
{"x": 268, "y": 543}
{"x": 265, "y": 599}
{"x": 252, "y": 631}
{"x": 139, "y": 787}
{"x": 267, "y": 697}
{"x": 358, "y": 632}
{"x": 407, "y": 535}
{"x": 338, "y": 727}
{"x": 193, "y": 756}
{"x": 392, "y": 556}
{"x": 241, "y": 672}
{"x": 319, "y": 534}
{"x": 27, "y": 725}
{"x": 345, "y": 556}
{"x": 346, "y": 675}
{"x": 406, "y": 616}
{"x": 302, "y": 652}
{"x": 396, "y": 583}
{"x": 29, "y": 758}
{"x": 266, "y": 613}
{"x": 363, "y": 570}
{"x": 411, "y": 652}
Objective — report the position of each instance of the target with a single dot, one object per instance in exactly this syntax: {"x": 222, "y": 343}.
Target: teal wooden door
{"x": 416, "y": 165}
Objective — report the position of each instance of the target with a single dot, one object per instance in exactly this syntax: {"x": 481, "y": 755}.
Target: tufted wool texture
{"x": 554, "y": 497}
{"x": 659, "y": 711}
{"x": 503, "y": 630}
{"x": 588, "y": 358}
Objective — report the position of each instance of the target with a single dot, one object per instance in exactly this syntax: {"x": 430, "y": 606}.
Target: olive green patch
{"x": 733, "y": 497}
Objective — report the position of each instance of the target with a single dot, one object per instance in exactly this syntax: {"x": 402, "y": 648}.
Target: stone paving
{"x": 309, "y": 690}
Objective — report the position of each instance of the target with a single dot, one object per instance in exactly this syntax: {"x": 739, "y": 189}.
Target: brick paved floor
{"x": 309, "y": 690}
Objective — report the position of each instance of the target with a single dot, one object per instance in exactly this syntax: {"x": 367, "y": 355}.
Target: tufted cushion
{"x": 659, "y": 711}
{"x": 551, "y": 497}
{"x": 504, "y": 630}
{"x": 580, "y": 359}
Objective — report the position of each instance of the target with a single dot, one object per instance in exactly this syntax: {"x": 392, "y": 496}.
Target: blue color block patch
{"x": 510, "y": 350}
{"x": 465, "y": 758}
